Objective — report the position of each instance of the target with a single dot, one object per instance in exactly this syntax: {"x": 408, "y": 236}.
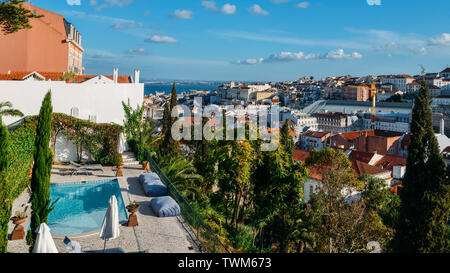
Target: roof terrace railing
{"x": 203, "y": 233}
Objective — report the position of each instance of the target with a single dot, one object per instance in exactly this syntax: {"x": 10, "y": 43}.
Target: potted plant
{"x": 120, "y": 163}
{"x": 133, "y": 207}
{"x": 119, "y": 167}
{"x": 19, "y": 218}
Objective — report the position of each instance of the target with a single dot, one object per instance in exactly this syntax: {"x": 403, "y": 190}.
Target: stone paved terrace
{"x": 153, "y": 235}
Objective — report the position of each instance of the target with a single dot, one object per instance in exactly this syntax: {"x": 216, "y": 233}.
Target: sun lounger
{"x": 93, "y": 167}
{"x": 76, "y": 170}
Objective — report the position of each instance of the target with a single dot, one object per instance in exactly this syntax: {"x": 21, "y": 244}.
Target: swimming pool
{"x": 82, "y": 206}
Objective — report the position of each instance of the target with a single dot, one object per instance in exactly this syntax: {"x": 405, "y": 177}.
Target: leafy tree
{"x": 235, "y": 165}
{"x": 133, "y": 120}
{"x": 14, "y": 17}
{"x": 183, "y": 176}
{"x": 425, "y": 203}
{"x": 68, "y": 76}
{"x": 341, "y": 225}
{"x": 40, "y": 180}
{"x": 9, "y": 112}
{"x": 396, "y": 98}
{"x": 277, "y": 197}
{"x": 380, "y": 199}
{"x": 205, "y": 161}
{"x": 286, "y": 140}
{"x": 5, "y": 191}
{"x": 169, "y": 146}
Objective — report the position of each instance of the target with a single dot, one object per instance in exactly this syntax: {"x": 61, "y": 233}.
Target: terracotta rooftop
{"x": 388, "y": 162}
{"x": 362, "y": 168}
{"x": 353, "y": 135}
{"x": 56, "y": 76}
{"x": 301, "y": 155}
{"x": 316, "y": 134}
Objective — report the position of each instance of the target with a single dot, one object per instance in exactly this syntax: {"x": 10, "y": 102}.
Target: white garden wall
{"x": 102, "y": 100}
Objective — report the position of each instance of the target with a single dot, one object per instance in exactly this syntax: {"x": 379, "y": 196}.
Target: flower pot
{"x": 133, "y": 209}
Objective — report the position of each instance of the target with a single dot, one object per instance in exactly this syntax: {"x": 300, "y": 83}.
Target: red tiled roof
{"x": 355, "y": 134}
{"x": 362, "y": 168}
{"x": 315, "y": 134}
{"x": 56, "y": 76}
{"x": 301, "y": 155}
{"x": 361, "y": 156}
{"x": 447, "y": 70}
{"x": 446, "y": 150}
{"x": 389, "y": 161}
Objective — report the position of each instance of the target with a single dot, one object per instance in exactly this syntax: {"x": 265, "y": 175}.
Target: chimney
{"x": 116, "y": 75}
{"x": 442, "y": 127}
{"x": 137, "y": 74}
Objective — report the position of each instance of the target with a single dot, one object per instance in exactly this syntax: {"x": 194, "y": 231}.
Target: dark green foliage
{"x": 43, "y": 159}
{"x": 396, "y": 98}
{"x": 9, "y": 111}
{"x": 277, "y": 198}
{"x": 286, "y": 140}
{"x": 204, "y": 161}
{"x": 169, "y": 146}
{"x": 22, "y": 147}
{"x": 380, "y": 199}
{"x": 5, "y": 192}
{"x": 425, "y": 198}
{"x": 14, "y": 17}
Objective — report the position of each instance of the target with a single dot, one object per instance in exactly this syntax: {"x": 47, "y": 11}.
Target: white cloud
{"x": 287, "y": 56}
{"x": 140, "y": 51}
{"x": 228, "y": 9}
{"x": 250, "y": 61}
{"x": 340, "y": 54}
{"x": 210, "y": 5}
{"x": 73, "y": 2}
{"x": 182, "y": 14}
{"x": 303, "y": 5}
{"x": 256, "y": 9}
{"x": 161, "y": 39}
{"x": 442, "y": 40}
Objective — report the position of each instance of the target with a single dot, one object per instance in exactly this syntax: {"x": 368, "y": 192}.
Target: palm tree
{"x": 182, "y": 174}
{"x": 9, "y": 112}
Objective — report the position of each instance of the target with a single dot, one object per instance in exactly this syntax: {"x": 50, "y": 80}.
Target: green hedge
{"x": 22, "y": 146}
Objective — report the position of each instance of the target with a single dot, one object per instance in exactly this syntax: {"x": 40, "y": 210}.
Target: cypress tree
{"x": 425, "y": 197}
{"x": 169, "y": 146}
{"x": 40, "y": 180}
{"x": 286, "y": 140}
{"x": 5, "y": 193}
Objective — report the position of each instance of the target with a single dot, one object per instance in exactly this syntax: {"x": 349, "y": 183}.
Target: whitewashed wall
{"x": 66, "y": 151}
{"x": 102, "y": 100}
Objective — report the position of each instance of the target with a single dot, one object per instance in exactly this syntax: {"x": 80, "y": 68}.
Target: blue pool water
{"x": 82, "y": 206}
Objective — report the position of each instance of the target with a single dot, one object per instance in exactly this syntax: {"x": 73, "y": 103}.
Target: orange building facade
{"x": 51, "y": 45}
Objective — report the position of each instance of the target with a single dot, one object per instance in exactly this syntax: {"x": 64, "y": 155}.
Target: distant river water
{"x": 167, "y": 88}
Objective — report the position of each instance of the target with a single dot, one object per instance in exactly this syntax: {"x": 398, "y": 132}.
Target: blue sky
{"x": 266, "y": 40}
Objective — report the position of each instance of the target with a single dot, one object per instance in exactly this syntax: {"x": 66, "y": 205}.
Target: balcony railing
{"x": 202, "y": 232}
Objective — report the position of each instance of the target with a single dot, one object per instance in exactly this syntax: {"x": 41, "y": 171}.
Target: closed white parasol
{"x": 44, "y": 241}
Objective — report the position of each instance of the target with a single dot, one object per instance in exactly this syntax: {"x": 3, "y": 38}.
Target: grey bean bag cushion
{"x": 165, "y": 207}
{"x": 152, "y": 185}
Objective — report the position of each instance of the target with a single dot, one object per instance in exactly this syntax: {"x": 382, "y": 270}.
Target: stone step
{"x": 131, "y": 163}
